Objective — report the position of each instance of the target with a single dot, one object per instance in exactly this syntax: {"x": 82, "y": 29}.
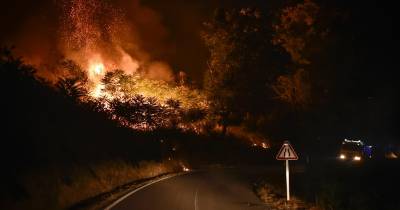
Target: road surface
{"x": 223, "y": 189}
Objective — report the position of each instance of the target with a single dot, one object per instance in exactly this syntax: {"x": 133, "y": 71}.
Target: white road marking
{"x": 137, "y": 189}
{"x": 195, "y": 200}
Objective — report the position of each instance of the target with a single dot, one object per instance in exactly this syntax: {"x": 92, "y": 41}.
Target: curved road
{"x": 224, "y": 189}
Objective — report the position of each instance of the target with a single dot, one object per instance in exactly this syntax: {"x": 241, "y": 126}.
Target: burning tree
{"x": 137, "y": 102}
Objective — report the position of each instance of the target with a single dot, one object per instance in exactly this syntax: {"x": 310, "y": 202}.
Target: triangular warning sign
{"x": 286, "y": 152}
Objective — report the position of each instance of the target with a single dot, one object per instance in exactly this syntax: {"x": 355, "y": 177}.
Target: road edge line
{"x": 139, "y": 188}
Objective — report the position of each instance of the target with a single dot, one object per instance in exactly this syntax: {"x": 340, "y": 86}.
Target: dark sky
{"x": 184, "y": 20}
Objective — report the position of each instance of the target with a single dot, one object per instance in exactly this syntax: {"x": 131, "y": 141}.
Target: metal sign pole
{"x": 287, "y": 153}
{"x": 287, "y": 181}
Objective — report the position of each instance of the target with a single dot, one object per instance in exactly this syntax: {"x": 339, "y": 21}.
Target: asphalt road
{"x": 222, "y": 189}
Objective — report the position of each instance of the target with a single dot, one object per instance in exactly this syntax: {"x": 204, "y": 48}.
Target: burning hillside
{"x": 105, "y": 58}
{"x": 100, "y": 39}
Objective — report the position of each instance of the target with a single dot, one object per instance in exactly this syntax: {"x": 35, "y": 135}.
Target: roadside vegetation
{"x": 328, "y": 185}
{"x": 275, "y": 198}
{"x": 62, "y": 188}
{"x": 58, "y": 150}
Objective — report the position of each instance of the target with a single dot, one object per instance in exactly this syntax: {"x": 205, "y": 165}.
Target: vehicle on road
{"x": 354, "y": 150}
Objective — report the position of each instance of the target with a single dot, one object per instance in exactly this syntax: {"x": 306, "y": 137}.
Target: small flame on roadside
{"x": 264, "y": 145}
{"x": 184, "y": 168}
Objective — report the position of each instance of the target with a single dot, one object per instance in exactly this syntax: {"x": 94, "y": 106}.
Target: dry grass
{"x": 59, "y": 189}
{"x": 275, "y": 198}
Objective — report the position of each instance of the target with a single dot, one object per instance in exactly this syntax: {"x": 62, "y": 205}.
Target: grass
{"x": 275, "y": 198}
{"x": 332, "y": 185}
{"x": 60, "y": 189}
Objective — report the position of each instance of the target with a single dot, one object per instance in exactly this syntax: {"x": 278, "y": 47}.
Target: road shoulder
{"x": 109, "y": 199}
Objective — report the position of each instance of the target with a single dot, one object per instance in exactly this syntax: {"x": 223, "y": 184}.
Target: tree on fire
{"x": 117, "y": 83}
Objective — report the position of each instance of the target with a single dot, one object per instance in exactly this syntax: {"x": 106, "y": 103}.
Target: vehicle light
{"x": 357, "y": 158}
{"x": 342, "y": 156}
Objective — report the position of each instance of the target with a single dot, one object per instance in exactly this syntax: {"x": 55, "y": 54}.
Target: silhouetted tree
{"x": 296, "y": 29}
{"x": 174, "y": 112}
{"x": 294, "y": 89}
{"x": 242, "y": 64}
{"x": 300, "y": 31}
{"x": 194, "y": 115}
{"x": 140, "y": 112}
{"x": 73, "y": 71}
{"x": 71, "y": 87}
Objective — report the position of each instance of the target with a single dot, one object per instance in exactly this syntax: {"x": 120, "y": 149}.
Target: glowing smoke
{"x": 93, "y": 28}
{"x": 124, "y": 33}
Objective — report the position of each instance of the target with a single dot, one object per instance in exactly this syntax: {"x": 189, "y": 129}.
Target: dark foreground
{"x": 370, "y": 185}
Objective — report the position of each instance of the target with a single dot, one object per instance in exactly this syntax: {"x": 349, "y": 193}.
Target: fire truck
{"x": 354, "y": 150}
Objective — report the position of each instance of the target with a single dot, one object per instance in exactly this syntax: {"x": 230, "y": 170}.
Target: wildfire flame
{"x": 96, "y": 41}
{"x": 101, "y": 38}
{"x": 98, "y": 68}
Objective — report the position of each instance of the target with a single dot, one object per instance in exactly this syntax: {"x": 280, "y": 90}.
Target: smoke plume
{"x": 120, "y": 34}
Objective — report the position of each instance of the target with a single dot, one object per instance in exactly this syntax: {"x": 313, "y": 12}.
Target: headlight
{"x": 342, "y": 156}
{"x": 357, "y": 158}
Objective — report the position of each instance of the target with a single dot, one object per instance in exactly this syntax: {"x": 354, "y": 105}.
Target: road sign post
{"x": 287, "y": 153}
{"x": 287, "y": 181}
